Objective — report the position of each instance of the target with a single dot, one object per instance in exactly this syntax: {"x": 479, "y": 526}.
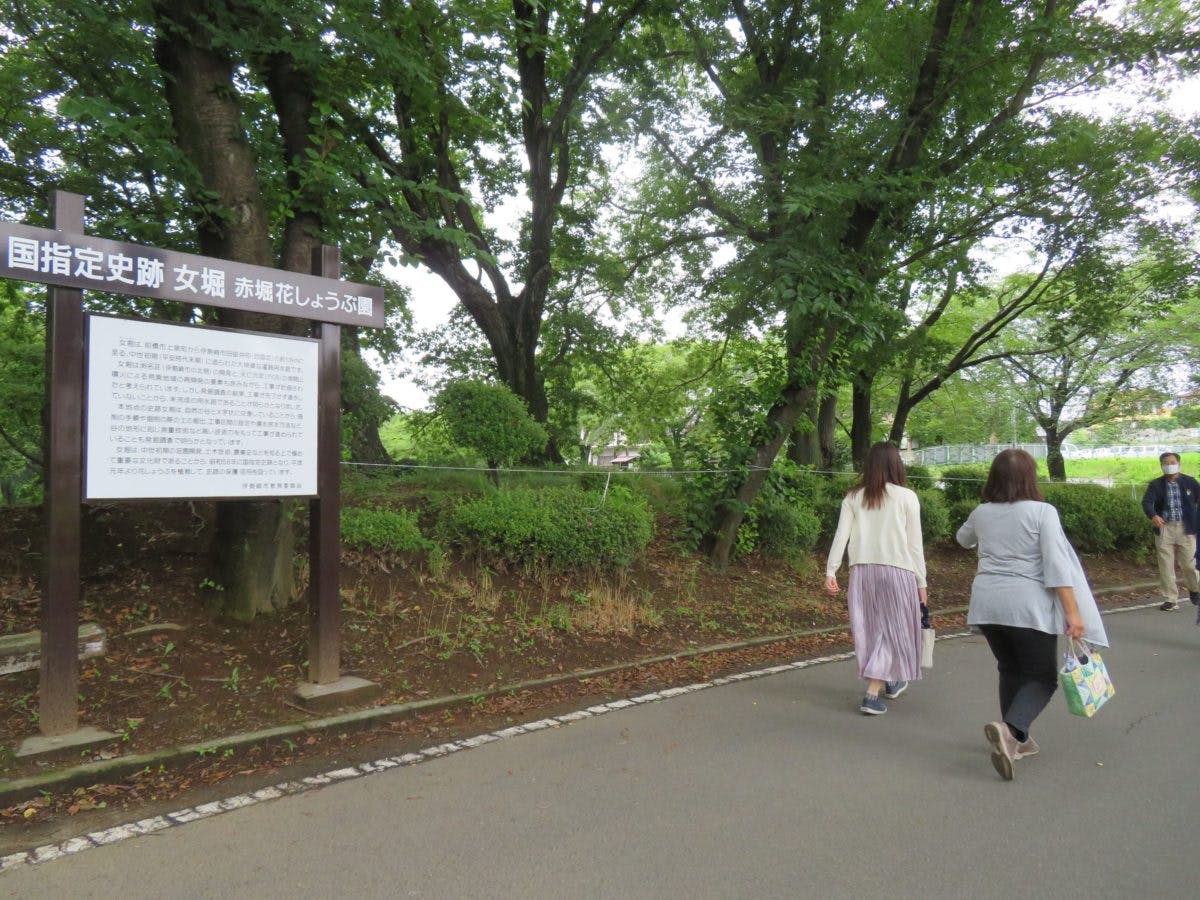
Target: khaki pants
{"x": 1173, "y": 545}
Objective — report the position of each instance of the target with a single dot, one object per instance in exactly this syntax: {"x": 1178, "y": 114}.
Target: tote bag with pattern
{"x": 1084, "y": 679}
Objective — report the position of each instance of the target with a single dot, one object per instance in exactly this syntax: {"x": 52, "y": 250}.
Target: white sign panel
{"x": 180, "y": 411}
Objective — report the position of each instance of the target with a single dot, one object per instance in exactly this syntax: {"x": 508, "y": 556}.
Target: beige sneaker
{"x": 1004, "y": 748}
{"x": 1026, "y": 748}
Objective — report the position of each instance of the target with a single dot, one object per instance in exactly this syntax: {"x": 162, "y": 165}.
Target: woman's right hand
{"x": 831, "y": 584}
{"x": 1074, "y": 625}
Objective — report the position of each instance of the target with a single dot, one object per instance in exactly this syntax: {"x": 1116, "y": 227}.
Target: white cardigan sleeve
{"x": 840, "y": 538}
{"x": 916, "y": 547}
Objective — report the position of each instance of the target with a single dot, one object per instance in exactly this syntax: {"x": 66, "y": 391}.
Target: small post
{"x": 58, "y": 708}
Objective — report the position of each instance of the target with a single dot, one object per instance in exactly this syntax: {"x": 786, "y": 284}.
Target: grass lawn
{"x": 1135, "y": 469}
{"x": 1130, "y": 473}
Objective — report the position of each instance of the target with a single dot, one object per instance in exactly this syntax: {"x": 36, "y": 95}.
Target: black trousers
{"x": 1028, "y": 664}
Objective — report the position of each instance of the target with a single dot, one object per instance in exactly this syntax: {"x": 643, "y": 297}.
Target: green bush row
{"x": 553, "y": 528}
{"x": 1099, "y": 519}
{"x": 382, "y": 529}
{"x": 604, "y": 524}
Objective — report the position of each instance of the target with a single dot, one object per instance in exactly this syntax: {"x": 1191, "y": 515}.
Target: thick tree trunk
{"x": 509, "y": 323}
{"x": 252, "y": 550}
{"x": 252, "y": 546}
{"x": 826, "y": 427}
{"x": 1056, "y": 466}
{"x": 904, "y": 406}
{"x": 861, "y": 423}
{"x": 805, "y": 447}
{"x": 364, "y": 408}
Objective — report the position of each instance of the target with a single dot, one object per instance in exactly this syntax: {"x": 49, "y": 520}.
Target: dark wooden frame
{"x": 59, "y": 672}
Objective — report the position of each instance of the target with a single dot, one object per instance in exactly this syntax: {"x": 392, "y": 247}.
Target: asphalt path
{"x": 768, "y": 787}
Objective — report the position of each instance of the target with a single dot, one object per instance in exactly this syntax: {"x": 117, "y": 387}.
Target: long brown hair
{"x": 1013, "y": 477}
{"x": 883, "y": 466}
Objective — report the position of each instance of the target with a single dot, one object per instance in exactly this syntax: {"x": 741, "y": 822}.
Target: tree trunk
{"x": 904, "y": 406}
{"x": 365, "y": 444}
{"x": 780, "y": 422}
{"x": 364, "y": 408}
{"x": 252, "y": 544}
{"x": 1056, "y": 466}
{"x": 826, "y": 426}
{"x": 804, "y": 359}
{"x": 861, "y": 422}
{"x": 805, "y": 447}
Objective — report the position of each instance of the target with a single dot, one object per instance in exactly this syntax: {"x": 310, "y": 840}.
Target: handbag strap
{"x": 1079, "y": 649}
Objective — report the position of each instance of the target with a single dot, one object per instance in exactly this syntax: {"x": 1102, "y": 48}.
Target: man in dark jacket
{"x": 1170, "y": 503}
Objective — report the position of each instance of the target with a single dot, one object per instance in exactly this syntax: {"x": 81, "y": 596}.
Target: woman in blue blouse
{"x": 1028, "y": 589}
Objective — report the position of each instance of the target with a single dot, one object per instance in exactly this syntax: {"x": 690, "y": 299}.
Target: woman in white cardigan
{"x": 880, "y": 524}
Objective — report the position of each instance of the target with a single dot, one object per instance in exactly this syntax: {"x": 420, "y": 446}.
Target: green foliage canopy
{"x": 490, "y": 419}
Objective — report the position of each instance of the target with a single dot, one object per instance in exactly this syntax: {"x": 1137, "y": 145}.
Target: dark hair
{"x": 1013, "y": 477}
{"x": 883, "y": 466}
{"x": 1162, "y": 457}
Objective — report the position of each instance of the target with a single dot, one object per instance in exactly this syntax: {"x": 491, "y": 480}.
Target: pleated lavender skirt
{"x": 885, "y": 619}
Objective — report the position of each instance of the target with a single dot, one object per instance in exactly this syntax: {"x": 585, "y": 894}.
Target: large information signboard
{"x": 182, "y": 411}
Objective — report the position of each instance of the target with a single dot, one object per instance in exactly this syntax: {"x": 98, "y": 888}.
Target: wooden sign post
{"x": 69, "y": 260}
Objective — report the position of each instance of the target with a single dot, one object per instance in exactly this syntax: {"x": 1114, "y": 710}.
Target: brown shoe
{"x": 1026, "y": 748}
{"x": 1004, "y": 748}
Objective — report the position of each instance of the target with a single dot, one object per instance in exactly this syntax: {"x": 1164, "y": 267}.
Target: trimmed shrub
{"x": 920, "y": 477}
{"x": 935, "y": 516}
{"x": 1098, "y": 519}
{"x": 665, "y": 496}
{"x": 794, "y": 510}
{"x": 382, "y": 529}
{"x": 785, "y": 529}
{"x": 490, "y": 419}
{"x": 961, "y": 483}
{"x": 556, "y": 528}
{"x": 959, "y": 512}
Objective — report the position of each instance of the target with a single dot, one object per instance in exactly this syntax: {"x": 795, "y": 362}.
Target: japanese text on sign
{"x": 175, "y": 411}
{"x": 83, "y": 261}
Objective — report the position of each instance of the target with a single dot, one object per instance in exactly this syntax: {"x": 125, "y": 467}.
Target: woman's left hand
{"x": 831, "y": 584}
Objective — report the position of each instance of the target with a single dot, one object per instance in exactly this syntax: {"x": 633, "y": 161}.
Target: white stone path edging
{"x": 312, "y": 782}
{"x": 303, "y": 785}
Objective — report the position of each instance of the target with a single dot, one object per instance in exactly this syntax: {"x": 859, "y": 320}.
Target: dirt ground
{"x": 174, "y": 674}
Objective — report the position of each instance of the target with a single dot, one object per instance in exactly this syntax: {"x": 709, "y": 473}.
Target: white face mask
{"x": 1170, "y": 468}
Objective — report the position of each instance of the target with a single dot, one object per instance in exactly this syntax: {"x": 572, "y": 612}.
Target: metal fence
{"x": 962, "y": 454}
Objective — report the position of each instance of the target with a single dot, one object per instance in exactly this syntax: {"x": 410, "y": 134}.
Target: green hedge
{"x": 382, "y": 529}
{"x": 920, "y": 477}
{"x": 829, "y": 502}
{"x": 1099, "y": 519}
{"x": 959, "y": 511}
{"x": 557, "y": 528}
{"x": 935, "y": 516}
{"x": 964, "y": 483}
{"x": 785, "y": 529}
